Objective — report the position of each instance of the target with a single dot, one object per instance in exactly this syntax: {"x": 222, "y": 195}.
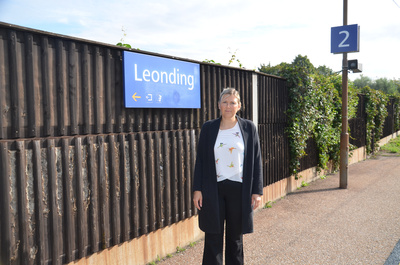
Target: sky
{"x": 256, "y": 31}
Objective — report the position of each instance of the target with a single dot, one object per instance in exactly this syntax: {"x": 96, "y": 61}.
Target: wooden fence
{"x": 80, "y": 173}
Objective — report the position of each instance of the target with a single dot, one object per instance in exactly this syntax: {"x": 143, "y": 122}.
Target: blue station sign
{"x": 157, "y": 82}
{"x": 345, "y": 39}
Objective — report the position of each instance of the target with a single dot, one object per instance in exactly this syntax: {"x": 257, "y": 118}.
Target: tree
{"x": 362, "y": 82}
{"x": 273, "y": 70}
{"x": 324, "y": 70}
{"x": 385, "y": 85}
{"x": 382, "y": 84}
{"x": 303, "y": 63}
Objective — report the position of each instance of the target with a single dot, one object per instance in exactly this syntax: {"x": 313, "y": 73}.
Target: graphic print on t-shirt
{"x": 229, "y": 154}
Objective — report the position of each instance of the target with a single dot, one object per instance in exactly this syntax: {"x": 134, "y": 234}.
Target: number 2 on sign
{"x": 341, "y": 45}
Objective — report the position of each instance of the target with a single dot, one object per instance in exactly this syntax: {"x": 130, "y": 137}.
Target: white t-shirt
{"x": 229, "y": 154}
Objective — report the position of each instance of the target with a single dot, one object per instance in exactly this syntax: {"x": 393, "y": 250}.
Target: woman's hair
{"x": 230, "y": 91}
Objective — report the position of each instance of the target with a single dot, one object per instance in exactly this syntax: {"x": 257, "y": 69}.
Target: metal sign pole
{"x": 344, "y": 137}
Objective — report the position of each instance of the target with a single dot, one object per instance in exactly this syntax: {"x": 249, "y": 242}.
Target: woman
{"x": 227, "y": 182}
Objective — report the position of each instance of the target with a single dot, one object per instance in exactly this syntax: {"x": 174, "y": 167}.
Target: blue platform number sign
{"x": 157, "y": 82}
{"x": 345, "y": 39}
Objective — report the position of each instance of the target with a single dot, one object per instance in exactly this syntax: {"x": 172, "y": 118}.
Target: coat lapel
{"x": 214, "y": 131}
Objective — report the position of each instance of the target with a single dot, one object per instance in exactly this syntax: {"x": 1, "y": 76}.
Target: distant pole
{"x": 344, "y": 137}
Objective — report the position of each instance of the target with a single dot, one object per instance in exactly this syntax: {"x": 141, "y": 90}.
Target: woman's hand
{"x": 255, "y": 201}
{"x": 198, "y": 199}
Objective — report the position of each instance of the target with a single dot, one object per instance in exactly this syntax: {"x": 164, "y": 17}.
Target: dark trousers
{"x": 230, "y": 206}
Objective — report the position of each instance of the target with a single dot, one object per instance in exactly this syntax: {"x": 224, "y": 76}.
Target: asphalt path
{"x": 323, "y": 224}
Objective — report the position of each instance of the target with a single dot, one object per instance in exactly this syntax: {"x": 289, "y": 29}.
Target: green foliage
{"x": 385, "y": 85}
{"x": 124, "y": 45}
{"x": 192, "y": 244}
{"x": 324, "y": 70}
{"x": 232, "y": 60}
{"x": 179, "y": 249}
{"x": 362, "y": 81}
{"x": 121, "y": 43}
{"x": 396, "y": 111}
{"x": 211, "y": 61}
{"x": 376, "y": 110}
{"x": 314, "y": 109}
{"x": 382, "y": 84}
{"x": 268, "y": 205}
{"x": 393, "y": 146}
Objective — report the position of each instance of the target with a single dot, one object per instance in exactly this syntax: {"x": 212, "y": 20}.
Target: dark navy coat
{"x": 205, "y": 176}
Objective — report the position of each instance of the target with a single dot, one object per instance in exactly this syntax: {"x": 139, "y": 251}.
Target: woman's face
{"x": 229, "y": 106}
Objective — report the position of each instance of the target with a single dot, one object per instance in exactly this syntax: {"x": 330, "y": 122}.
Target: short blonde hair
{"x": 229, "y": 91}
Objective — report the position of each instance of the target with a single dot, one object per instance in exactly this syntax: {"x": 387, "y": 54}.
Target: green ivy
{"x": 314, "y": 110}
{"x": 124, "y": 45}
{"x": 396, "y": 111}
{"x": 376, "y": 110}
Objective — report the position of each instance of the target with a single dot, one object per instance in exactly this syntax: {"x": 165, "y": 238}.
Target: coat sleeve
{"x": 257, "y": 187}
{"x": 198, "y": 168}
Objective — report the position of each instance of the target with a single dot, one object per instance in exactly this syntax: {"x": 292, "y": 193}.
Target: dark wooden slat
{"x": 181, "y": 173}
{"x": 150, "y": 181}
{"x": 32, "y": 112}
{"x": 187, "y": 175}
{"x": 98, "y": 90}
{"x": 86, "y": 95}
{"x": 94, "y": 209}
{"x": 22, "y": 203}
{"x": 56, "y": 228}
{"x": 14, "y": 93}
{"x": 174, "y": 178}
{"x": 104, "y": 194}
{"x": 158, "y": 181}
{"x": 167, "y": 178}
{"x": 115, "y": 190}
{"x": 120, "y": 111}
{"x": 134, "y": 171}
{"x": 46, "y": 94}
{"x": 124, "y": 181}
{"x": 81, "y": 201}
{"x": 143, "y": 203}
{"x": 129, "y": 121}
{"x": 60, "y": 76}
{"x": 108, "y": 95}
{"x": 7, "y": 247}
{"x": 70, "y": 233}
{"x": 72, "y": 85}
{"x": 3, "y": 91}
{"x": 38, "y": 190}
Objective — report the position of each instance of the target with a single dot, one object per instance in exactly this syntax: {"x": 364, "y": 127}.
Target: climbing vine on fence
{"x": 376, "y": 110}
{"x": 396, "y": 111}
{"x": 314, "y": 109}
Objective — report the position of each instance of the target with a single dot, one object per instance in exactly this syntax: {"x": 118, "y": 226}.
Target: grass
{"x": 179, "y": 249}
{"x": 268, "y": 205}
{"x": 393, "y": 146}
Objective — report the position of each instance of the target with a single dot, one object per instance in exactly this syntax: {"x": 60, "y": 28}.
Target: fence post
{"x": 254, "y": 99}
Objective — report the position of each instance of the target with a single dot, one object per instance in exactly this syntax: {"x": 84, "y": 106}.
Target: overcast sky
{"x": 259, "y": 31}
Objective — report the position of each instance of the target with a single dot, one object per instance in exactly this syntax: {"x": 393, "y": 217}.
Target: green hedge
{"x": 315, "y": 110}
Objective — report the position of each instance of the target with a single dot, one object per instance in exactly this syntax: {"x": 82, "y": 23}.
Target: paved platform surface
{"x": 322, "y": 224}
